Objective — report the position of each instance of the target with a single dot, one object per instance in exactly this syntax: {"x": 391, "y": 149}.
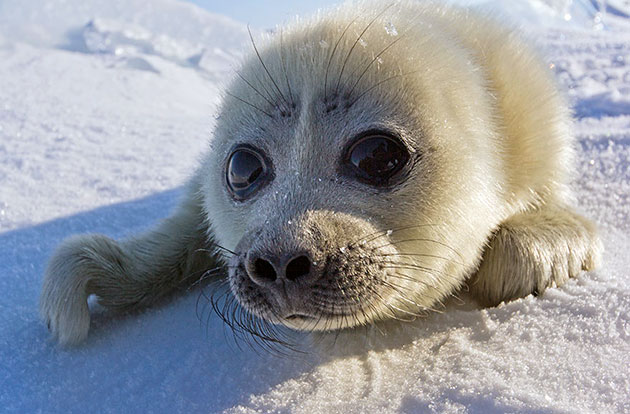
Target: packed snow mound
{"x": 128, "y": 42}
{"x": 105, "y": 108}
{"x": 175, "y": 30}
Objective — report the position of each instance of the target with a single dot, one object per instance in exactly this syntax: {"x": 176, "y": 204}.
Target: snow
{"x": 105, "y": 108}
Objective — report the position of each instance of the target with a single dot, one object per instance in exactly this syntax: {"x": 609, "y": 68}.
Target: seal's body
{"x": 366, "y": 164}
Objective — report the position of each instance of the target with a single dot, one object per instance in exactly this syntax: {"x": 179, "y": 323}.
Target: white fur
{"x": 475, "y": 100}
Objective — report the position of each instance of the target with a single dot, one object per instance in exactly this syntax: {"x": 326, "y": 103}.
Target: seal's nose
{"x": 265, "y": 270}
{"x": 298, "y": 268}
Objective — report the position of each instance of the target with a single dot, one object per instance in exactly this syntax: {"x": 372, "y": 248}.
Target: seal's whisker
{"x": 377, "y": 84}
{"x": 375, "y": 235}
{"x": 216, "y": 246}
{"x": 205, "y": 275}
{"x": 433, "y": 256}
{"x": 395, "y": 312}
{"x": 376, "y": 58}
{"x": 394, "y": 285}
{"x": 269, "y": 93}
{"x": 245, "y": 326}
{"x": 248, "y": 83}
{"x": 408, "y": 278}
{"x": 402, "y": 295}
{"x": 314, "y": 323}
{"x": 262, "y": 62}
{"x": 284, "y": 70}
{"x": 199, "y": 315}
{"x": 376, "y": 316}
{"x": 249, "y": 104}
{"x": 332, "y": 54}
{"x": 375, "y": 293}
{"x": 424, "y": 314}
{"x": 396, "y": 242}
{"x": 411, "y": 266}
{"x": 345, "y": 298}
{"x": 358, "y": 39}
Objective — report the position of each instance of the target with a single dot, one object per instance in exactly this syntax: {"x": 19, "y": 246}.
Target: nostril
{"x": 298, "y": 267}
{"x": 264, "y": 270}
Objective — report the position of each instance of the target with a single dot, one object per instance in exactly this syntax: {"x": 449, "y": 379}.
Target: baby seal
{"x": 366, "y": 164}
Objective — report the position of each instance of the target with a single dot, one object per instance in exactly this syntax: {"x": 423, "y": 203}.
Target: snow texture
{"x": 105, "y": 108}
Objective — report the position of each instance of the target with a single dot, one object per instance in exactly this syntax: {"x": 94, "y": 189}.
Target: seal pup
{"x": 366, "y": 164}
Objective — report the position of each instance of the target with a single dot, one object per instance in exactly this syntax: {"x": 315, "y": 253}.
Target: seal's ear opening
{"x": 128, "y": 274}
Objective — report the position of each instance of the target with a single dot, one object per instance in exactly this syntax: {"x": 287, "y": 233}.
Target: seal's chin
{"x": 302, "y": 321}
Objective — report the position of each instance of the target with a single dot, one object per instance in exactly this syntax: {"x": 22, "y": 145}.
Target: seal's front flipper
{"x": 129, "y": 274}
{"x": 532, "y": 251}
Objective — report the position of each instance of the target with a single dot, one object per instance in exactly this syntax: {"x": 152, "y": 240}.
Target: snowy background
{"x": 105, "y": 108}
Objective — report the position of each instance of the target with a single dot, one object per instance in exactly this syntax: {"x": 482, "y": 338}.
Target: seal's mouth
{"x": 299, "y": 317}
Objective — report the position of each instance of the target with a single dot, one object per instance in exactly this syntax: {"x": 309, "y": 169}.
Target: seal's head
{"x": 351, "y": 170}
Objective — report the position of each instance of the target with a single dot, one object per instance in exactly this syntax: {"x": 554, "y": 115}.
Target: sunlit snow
{"x": 105, "y": 109}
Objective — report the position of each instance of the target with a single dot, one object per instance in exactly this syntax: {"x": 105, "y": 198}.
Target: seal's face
{"x": 344, "y": 182}
{"x": 317, "y": 260}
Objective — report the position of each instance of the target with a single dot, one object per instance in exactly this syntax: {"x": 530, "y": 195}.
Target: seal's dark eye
{"x": 376, "y": 158}
{"x": 246, "y": 171}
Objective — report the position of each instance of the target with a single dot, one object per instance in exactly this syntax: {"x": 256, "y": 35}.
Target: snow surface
{"x": 104, "y": 110}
